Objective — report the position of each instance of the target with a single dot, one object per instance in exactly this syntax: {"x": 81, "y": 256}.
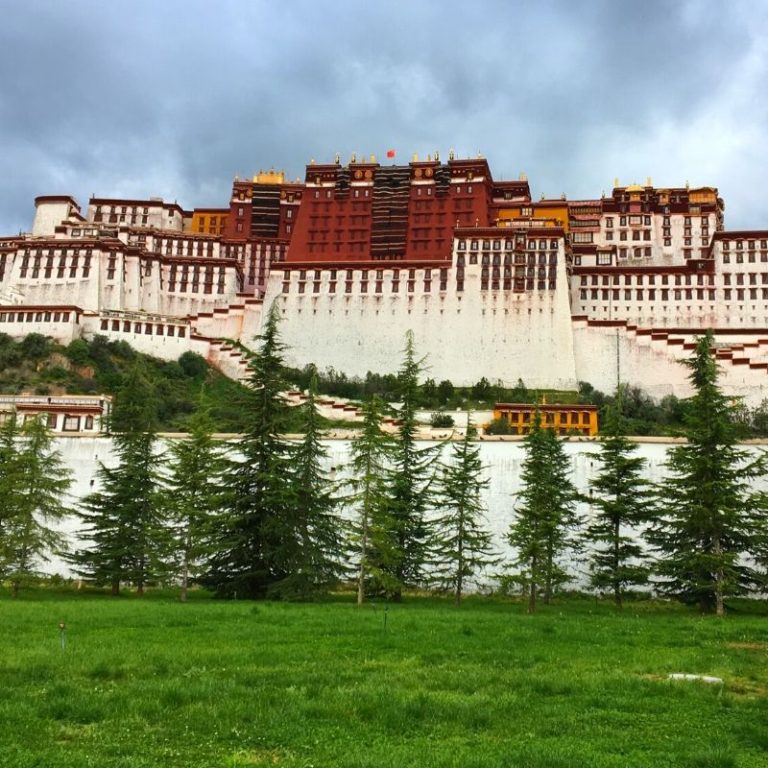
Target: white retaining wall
{"x": 502, "y": 461}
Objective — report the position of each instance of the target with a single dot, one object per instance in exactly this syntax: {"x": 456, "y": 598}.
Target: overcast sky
{"x": 174, "y": 98}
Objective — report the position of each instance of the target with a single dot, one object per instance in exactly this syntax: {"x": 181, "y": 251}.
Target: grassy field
{"x": 157, "y": 683}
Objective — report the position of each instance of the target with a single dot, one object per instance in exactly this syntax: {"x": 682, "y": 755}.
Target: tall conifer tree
{"x": 371, "y": 545}
{"x": 33, "y": 483}
{"x": 712, "y": 518}
{"x": 462, "y": 546}
{"x": 193, "y": 497}
{"x": 620, "y": 500}
{"x": 314, "y": 549}
{"x": 126, "y": 533}
{"x": 545, "y": 514}
{"x": 254, "y": 537}
{"x": 408, "y": 489}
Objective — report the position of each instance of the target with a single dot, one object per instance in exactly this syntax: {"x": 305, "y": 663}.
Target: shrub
{"x": 441, "y": 419}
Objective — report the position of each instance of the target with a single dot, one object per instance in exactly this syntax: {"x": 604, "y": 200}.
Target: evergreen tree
{"x": 713, "y": 519}
{"x": 34, "y": 485}
{"x": 314, "y": 548}
{"x": 371, "y": 451}
{"x": 10, "y": 433}
{"x": 462, "y": 546}
{"x": 193, "y": 496}
{"x": 408, "y": 492}
{"x": 254, "y": 538}
{"x": 545, "y": 513}
{"x": 620, "y": 499}
{"x": 125, "y": 529}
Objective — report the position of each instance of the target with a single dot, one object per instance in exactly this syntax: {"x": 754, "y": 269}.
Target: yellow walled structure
{"x": 269, "y": 177}
{"x": 555, "y": 211}
{"x": 209, "y": 221}
{"x": 564, "y": 419}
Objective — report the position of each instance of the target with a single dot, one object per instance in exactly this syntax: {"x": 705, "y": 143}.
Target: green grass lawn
{"x": 154, "y": 682}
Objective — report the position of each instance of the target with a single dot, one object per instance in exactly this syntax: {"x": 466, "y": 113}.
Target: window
{"x": 71, "y": 423}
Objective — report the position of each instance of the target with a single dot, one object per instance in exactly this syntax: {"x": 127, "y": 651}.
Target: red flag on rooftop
{"x": 390, "y": 153}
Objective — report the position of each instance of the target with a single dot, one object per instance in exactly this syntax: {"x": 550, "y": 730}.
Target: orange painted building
{"x": 209, "y": 221}
{"x": 563, "y": 418}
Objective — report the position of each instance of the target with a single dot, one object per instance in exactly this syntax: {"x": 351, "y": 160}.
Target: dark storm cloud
{"x": 175, "y": 98}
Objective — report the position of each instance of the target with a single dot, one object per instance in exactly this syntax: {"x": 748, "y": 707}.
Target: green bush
{"x": 440, "y": 419}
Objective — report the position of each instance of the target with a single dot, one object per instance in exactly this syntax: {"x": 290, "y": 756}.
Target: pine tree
{"x": 371, "y": 453}
{"x": 254, "y": 538}
{"x": 10, "y": 434}
{"x": 713, "y": 520}
{"x": 545, "y": 513}
{"x": 125, "y": 529}
{"x": 34, "y": 486}
{"x": 408, "y": 491}
{"x": 463, "y": 546}
{"x": 620, "y": 499}
{"x": 193, "y": 497}
{"x": 315, "y": 546}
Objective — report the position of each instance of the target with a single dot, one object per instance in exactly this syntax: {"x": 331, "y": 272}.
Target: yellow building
{"x": 564, "y": 419}
{"x": 553, "y": 212}
{"x": 209, "y": 221}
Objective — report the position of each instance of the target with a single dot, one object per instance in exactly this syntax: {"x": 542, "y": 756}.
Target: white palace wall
{"x": 502, "y": 463}
{"x": 502, "y": 335}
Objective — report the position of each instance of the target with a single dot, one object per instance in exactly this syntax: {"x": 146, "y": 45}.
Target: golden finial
{"x": 451, "y": 154}
{"x": 338, "y": 158}
{"x": 353, "y": 159}
{"x": 373, "y": 158}
{"x": 415, "y": 158}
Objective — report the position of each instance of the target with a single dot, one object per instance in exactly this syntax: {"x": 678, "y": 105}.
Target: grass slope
{"x": 207, "y": 684}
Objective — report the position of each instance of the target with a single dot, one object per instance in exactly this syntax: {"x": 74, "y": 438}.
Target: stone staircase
{"x": 742, "y": 355}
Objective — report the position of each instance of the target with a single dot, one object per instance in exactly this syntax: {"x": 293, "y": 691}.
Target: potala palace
{"x": 491, "y": 282}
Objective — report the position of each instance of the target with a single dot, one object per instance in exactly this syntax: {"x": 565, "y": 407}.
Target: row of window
{"x": 186, "y": 275}
{"x": 37, "y": 266}
{"x": 184, "y": 247}
{"x": 508, "y": 245}
{"x": 740, "y": 278}
{"x": 677, "y": 294}
{"x": 148, "y": 329}
{"x": 640, "y": 279}
{"x": 739, "y": 244}
{"x": 34, "y": 317}
{"x": 751, "y": 257}
{"x": 68, "y": 422}
{"x": 518, "y": 258}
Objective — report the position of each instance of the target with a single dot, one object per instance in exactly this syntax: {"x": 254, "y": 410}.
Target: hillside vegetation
{"x": 36, "y": 365}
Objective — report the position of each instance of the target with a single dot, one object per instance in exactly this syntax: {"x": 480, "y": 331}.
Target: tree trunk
{"x": 532, "y": 593}
{"x": 719, "y": 580}
{"x": 185, "y": 566}
{"x": 548, "y": 580}
{"x": 15, "y": 588}
{"x": 115, "y": 587}
{"x": 363, "y": 550}
{"x": 617, "y": 596}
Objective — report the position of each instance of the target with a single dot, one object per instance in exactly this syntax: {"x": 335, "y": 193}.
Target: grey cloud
{"x": 175, "y": 98}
